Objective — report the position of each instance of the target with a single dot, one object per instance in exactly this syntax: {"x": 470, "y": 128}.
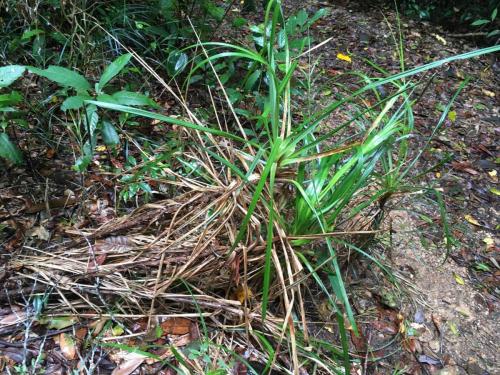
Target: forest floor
{"x": 456, "y": 312}
{"x": 448, "y": 302}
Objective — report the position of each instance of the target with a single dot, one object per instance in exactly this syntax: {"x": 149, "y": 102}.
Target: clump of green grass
{"x": 328, "y": 170}
{"x": 277, "y": 184}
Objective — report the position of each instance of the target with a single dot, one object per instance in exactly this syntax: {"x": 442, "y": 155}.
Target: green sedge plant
{"x": 328, "y": 170}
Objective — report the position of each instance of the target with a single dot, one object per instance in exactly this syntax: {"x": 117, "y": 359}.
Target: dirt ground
{"x": 453, "y": 321}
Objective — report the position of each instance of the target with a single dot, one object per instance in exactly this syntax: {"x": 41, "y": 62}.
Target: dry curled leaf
{"x": 40, "y": 232}
{"x": 243, "y": 293}
{"x": 96, "y": 262}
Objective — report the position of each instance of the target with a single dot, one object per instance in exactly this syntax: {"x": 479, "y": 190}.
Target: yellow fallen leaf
{"x": 452, "y": 116}
{"x": 489, "y": 93}
{"x": 489, "y": 241}
{"x": 458, "y": 279}
{"x": 493, "y": 173}
{"x": 343, "y": 57}
{"x": 495, "y": 191}
{"x": 440, "y": 39}
{"x": 471, "y": 220}
{"x": 100, "y": 148}
{"x": 117, "y": 330}
{"x": 243, "y": 293}
{"x": 438, "y": 174}
{"x": 453, "y": 329}
{"x": 325, "y": 310}
{"x": 402, "y": 326}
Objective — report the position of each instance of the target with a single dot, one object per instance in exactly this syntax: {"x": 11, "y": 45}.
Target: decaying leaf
{"x": 359, "y": 342}
{"x": 13, "y": 318}
{"x": 464, "y": 167}
{"x": 176, "y": 326}
{"x": 239, "y": 369}
{"x": 385, "y": 327}
{"x": 428, "y": 360}
{"x": 97, "y": 326}
{"x": 40, "y": 232}
{"x": 129, "y": 365}
{"x": 10, "y": 355}
{"x": 114, "y": 244}
{"x": 81, "y": 333}
{"x": 68, "y": 346}
{"x": 194, "y": 333}
{"x": 409, "y": 344}
{"x": 96, "y": 262}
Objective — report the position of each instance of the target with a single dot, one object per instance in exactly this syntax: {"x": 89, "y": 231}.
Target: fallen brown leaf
{"x": 68, "y": 346}
{"x": 385, "y": 327}
{"x": 129, "y": 365}
{"x": 13, "y": 318}
{"x": 464, "y": 167}
{"x": 176, "y": 326}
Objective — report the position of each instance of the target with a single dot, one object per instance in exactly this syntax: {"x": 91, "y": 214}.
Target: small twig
{"x": 468, "y": 35}
{"x": 46, "y": 198}
{"x": 365, "y": 365}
